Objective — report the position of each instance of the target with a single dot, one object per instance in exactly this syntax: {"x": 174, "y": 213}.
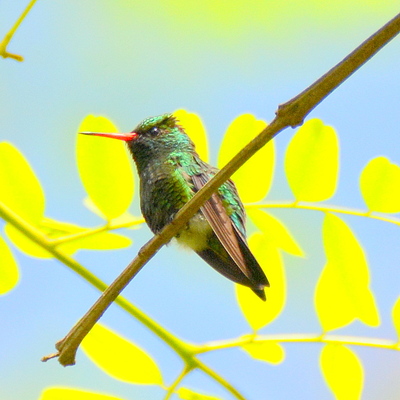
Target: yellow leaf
{"x": 343, "y": 372}
{"x": 57, "y": 229}
{"x": 271, "y": 352}
{"x": 124, "y": 218}
{"x": 9, "y": 275}
{"x": 396, "y": 316}
{"x": 24, "y": 244}
{"x": 60, "y": 393}
{"x": 187, "y": 394}
{"x": 97, "y": 241}
{"x": 312, "y": 162}
{"x": 276, "y": 233}
{"x": 120, "y": 358}
{"x": 380, "y": 185}
{"x": 260, "y": 313}
{"x": 342, "y": 292}
{"x": 105, "y": 168}
{"x": 20, "y": 188}
{"x": 193, "y": 126}
{"x": 253, "y": 180}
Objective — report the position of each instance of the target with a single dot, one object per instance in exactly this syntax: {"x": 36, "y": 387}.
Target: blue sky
{"x": 130, "y": 61}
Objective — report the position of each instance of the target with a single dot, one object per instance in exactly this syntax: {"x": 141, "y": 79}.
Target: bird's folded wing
{"x": 221, "y": 224}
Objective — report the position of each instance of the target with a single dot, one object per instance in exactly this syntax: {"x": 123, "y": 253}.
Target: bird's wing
{"x": 221, "y": 224}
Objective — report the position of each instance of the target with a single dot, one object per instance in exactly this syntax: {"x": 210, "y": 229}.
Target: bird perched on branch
{"x": 171, "y": 172}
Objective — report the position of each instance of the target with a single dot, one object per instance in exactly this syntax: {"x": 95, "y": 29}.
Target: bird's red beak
{"x": 121, "y": 136}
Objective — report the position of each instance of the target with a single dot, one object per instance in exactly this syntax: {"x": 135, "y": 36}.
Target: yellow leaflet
{"x": 59, "y": 393}
{"x": 187, "y": 394}
{"x": 312, "y": 162}
{"x": 105, "y": 168}
{"x": 124, "y": 218}
{"x": 9, "y": 274}
{"x": 396, "y": 317}
{"x": 98, "y": 241}
{"x": 254, "y": 178}
{"x": 380, "y": 185}
{"x": 333, "y": 306}
{"x": 342, "y": 292}
{"x": 276, "y": 233}
{"x": 342, "y": 371}
{"x": 120, "y": 358}
{"x": 259, "y": 313}
{"x": 20, "y": 188}
{"x": 271, "y": 352}
{"x": 194, "y": 128}
{"x": 24, "y": 244}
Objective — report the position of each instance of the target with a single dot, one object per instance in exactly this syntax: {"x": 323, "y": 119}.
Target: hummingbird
{"x": 171, "y": 172}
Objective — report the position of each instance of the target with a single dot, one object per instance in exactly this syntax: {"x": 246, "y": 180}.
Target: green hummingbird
{"x": 171, "y": 172}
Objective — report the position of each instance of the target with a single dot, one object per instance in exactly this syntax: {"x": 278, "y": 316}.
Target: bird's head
{"x": 154, "y": 137}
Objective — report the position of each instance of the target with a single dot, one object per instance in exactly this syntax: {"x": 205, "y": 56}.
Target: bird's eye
{"x": 155, "y": 130}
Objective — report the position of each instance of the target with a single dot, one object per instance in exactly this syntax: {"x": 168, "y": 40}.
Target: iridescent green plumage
{"x": 171, "y": 172}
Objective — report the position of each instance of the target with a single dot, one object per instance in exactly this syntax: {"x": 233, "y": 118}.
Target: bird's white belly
{"x": 196, "y": 233}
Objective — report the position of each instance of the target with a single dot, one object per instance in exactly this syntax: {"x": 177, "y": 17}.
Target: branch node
{"x": 291, "y": 112}
{"x": 66, "y": 353}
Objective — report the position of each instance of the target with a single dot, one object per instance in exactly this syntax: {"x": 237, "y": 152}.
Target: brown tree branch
{"x": 291, "y": 114}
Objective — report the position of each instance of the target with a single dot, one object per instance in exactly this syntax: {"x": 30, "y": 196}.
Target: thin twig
{"x": 4, "y": 43}
{"x": 292, "y": 114}
{"x": 176, "y": 383}
{"x": 183, "y": 349}
{"x": 327, "y": 208}
{"x": 218, "y": 378}
{"x": 94, "y": 231}
{"x": 300, "y": 338}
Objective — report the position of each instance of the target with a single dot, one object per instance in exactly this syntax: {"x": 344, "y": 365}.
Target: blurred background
{"x": 130, "y": 60}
